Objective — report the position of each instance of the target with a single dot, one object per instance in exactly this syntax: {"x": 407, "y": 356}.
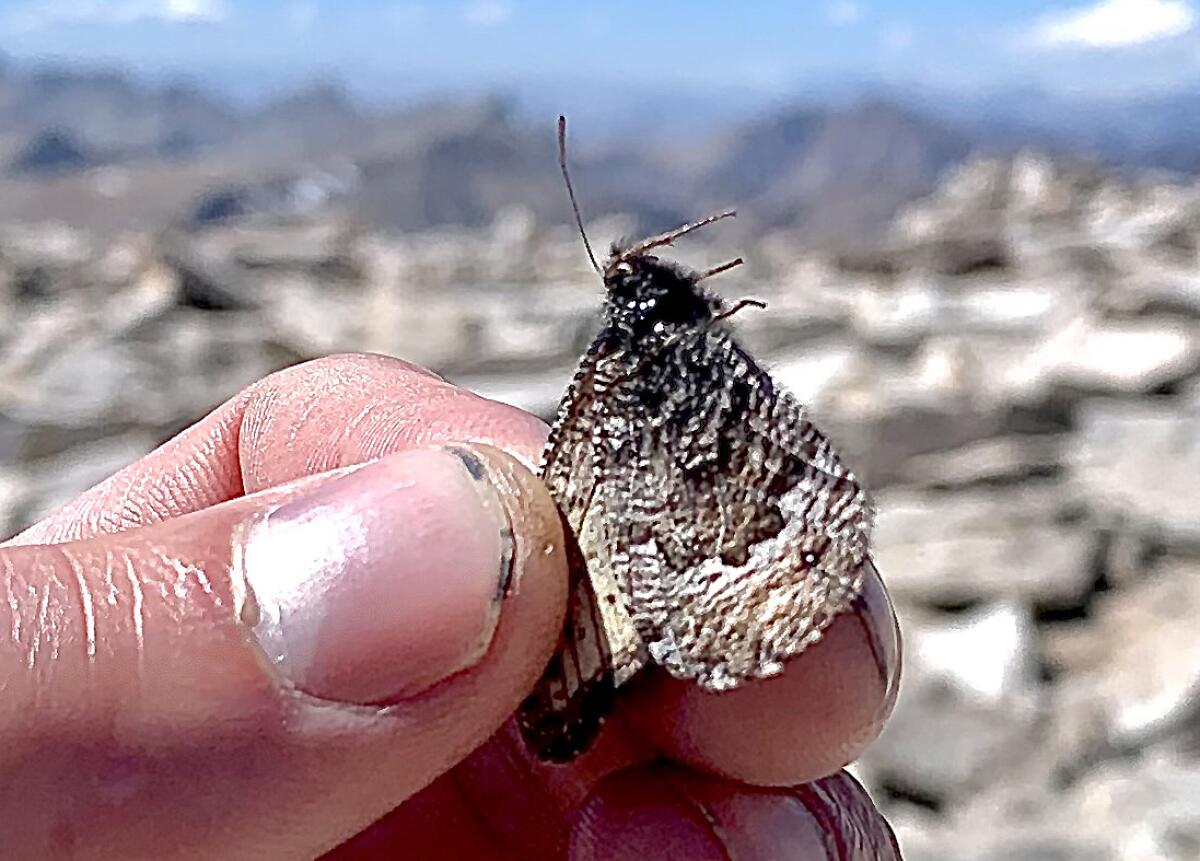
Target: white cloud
{"x": 1115, "y": 24}
{"x": 844, "y": 12}
{"x": 486, "y": 13}
{"x": 187, "y": 10}
{"x": 40, "y": 15}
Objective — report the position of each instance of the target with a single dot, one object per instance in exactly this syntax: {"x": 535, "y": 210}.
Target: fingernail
{"x": 850, "y": 824}
{"x": 762, "y": 825}
{"x": 831, "y": 818}
{"x": 383, "y": 582}
{"x": 669, "y": 813}
{"x": 755, "y": 824}
{"x": 882, "y": 633}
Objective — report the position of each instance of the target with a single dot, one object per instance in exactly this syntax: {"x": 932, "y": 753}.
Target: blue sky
{"x": 770, "y": 46}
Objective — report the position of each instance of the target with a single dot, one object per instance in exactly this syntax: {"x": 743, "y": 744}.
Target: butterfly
{"x": 712, "y": 528}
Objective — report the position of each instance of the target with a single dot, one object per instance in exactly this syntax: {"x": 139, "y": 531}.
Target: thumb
{"x": 266, "y": 677}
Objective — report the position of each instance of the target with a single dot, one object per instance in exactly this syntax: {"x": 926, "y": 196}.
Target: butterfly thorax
{"x": 650, "y": 300}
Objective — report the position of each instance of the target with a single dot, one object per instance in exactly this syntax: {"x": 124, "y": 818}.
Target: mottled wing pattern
{"x": 600, "y": 647}
{"x": 744, "y": 532}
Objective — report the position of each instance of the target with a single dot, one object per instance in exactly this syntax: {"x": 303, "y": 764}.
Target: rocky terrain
{"x": 1015, "y": 369}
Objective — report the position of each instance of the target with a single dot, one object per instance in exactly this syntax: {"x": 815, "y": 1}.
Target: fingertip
{"x": 638, "y": 814}
{"x": 820, "y": 714}
{"x": 536, "y": 585}
{"x": 671, "y": 813}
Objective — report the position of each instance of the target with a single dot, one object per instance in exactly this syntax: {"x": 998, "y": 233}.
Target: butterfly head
{"x": 651, "y": 297}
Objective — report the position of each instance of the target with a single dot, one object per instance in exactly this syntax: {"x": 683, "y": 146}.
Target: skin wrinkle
{"x": 14, "y": 609}
{"x": 265, "y": 416}
{"x": 381, "y": 430}
{"x": 85, "y": 603}
{"x": 162, "y": 495}
{"x": 106, "y": 508}
{"x": 35, "y": 642}
{"x": 108, "y": 579}
{"x": 317, "y": 459}
{"x": 356, "y": 423}
{"x": 232, "y": 441}
{"x": 137, "y": 613}
{"x": 389, "y": 430}
{"x": 201, "y": 468}
{"x": 128, "y": 516}
{"x": 29, "y": 630}
{"x": 255, "y": 424}
{"x": 57, "y": 610}
{"x": 185, "y": 573}
{"x": 339, "y": 443}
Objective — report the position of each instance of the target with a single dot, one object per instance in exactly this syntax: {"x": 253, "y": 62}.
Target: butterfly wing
{"x": 746, "y": 532}
{"x": 600, "y": 648}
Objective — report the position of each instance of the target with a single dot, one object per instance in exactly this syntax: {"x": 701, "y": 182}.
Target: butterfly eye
{"x": 624, "y": 269}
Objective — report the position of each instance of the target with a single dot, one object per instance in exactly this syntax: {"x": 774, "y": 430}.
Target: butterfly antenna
{"x": 671, "y": 235}
{"x": 562, "y": 163}
{"x": 738, "y": 306}
{"x": 717, "y": 270}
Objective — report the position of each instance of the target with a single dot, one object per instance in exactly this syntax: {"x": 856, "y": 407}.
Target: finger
{"x": 667, "y": 813}
{"x": 649, "y": 811}
{"x": 347, "y": 409}
{"x": 437, "y": 823}
{"x": 266, "y": 677}
{"x": 305, "y": 420}
{"x": 830, "y": 702}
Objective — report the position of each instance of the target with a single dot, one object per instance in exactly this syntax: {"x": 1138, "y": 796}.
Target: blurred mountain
{"x": 103, "y": 149}
{"x": 831, "y": 172}
{"x": 1139, "y": 131}
{"x": 318, "y": 115}
{"x": 110, "y": 112}
{"x": 49, "y": 152}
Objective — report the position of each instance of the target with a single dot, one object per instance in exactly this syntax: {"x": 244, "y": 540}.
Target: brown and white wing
{"x": 600, "y": 647}
{"x": 749, "y": 533}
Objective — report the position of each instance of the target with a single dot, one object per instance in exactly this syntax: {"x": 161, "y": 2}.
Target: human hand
{"x": 193, "y": 652}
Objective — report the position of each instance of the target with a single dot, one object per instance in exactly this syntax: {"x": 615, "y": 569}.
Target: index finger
{"x": 308, "y": 419}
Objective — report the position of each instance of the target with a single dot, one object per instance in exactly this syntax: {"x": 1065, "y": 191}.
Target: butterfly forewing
{"x": 747, "y": 533}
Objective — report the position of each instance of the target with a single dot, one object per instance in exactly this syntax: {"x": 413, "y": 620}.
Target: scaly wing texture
{"x": 600, "y": 648}
{"x": 742, "y": 532}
